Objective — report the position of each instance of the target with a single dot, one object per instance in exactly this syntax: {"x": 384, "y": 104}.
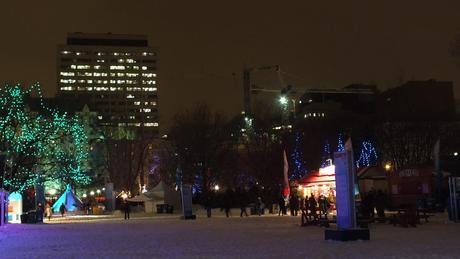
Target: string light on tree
{"x": 326, "y": 154}
{"x": 368, "y": 156}
{"x": 299, "y": 165}
{"x": 340, "y": 145}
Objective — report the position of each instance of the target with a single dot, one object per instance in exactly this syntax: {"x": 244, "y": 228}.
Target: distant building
{"x": 418, "y": 100}
{"x": 114, "y": 74}
{"x": 323, "y": 103}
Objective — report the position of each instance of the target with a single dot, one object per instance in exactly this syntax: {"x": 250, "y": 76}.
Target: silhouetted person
{"x": 259, "y": 206}
{"x": 312, "y": 206}
{"x": 62, "y": 209}
{"x": 243, "y": 204}
{"x": 39, "y": 212}
{"x": 127, "y": 209}
{"x": 282, "y": 205}
{"x": 371, "y": 201}
{"x": 48, "y": 211}
{"x": 227, "y": 203}
{"x": 380, "y": 203}
{"x": 208, "y": 204}
{"x": 294, "y": 205}
{"x": 323, "y": 205}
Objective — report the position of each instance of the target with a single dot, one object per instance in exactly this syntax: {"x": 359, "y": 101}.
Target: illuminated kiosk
{"x": 318, "y": 183}
{"x": 14, "y": 207}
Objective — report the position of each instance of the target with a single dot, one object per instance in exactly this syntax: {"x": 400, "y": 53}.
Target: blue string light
{"x": 299, "y": 165}
{"x": 340, "y": 146}
{"x": 368, "y": 156}
{"x": 326, "y": 154}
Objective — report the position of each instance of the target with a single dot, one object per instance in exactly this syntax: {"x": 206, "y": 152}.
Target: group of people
{"x": 373, "y": 201}
{"x": 47, "y": 211}
{"x": 313, "y": 207}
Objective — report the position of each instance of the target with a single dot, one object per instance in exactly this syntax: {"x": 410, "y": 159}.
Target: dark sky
{"x": 201, "y": 43}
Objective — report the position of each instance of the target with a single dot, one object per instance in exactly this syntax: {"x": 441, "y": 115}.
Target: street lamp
{"x": 216, "y": 187}
{"x": 387, "y": 166}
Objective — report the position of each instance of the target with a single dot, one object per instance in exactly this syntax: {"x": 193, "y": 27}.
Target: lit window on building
{"x": 99, "y": 117}
{"x": 65, "y": 52}
{"x": 89, "y": 89}
{"x": 137, "y": 103}
{"x": 136, "y": 67}
{"x": 67, "y": 81}
{"x": 89, "y": 81}
{"x": 148, "y": 82}
{"x": 100, "y": 61}
{"x": 67, "y": 88}
{"x": 88, "y": 74}
{"x": 67, "y": 74}
{"x": 116, "y": 54}
{"x": 130, "y": 96}
{"x": 153, "y": 103}
{"x": 113, "y": 81}
{"x": 97, "y": 67}
{"x": 83, "y": 66}
{"x": 101, "y": 54}
{"x": 149, "y": 75}
{"x": 145, "y": 110}
{"x": 149, "y": 89}
{"x": 131, "y": 117}
{"x": 120, "y": 74}
{"x": 113, "y": 88}
{"x": 130, "y": 60}
{"x": 132, "y": 74}
{"x": 144, "y": 54}
{"x": 82, "y": 81}
{"x": 144, "y": 68}
{"x": 119, "y": 67}
{"x": 121, "y": 60}
{"x": 121, "y": 82}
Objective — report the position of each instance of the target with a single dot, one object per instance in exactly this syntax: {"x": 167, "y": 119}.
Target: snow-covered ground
{"x": 220, "y": 237}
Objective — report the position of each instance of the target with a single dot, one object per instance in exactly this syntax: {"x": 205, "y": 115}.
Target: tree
{"x": 199, "y": 138}
{"x": 39, "y": 146}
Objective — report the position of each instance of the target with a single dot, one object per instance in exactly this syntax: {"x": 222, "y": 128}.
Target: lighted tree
{"x": 340, "y": 145}
{"x": 299, "y": 168}
{"x": 41, "y": 145}
{"x": 368, "y": 156}
{"x": 326, "y": 154}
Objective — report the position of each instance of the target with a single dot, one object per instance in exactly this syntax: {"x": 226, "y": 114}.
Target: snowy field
{"x": 219, "y": 237}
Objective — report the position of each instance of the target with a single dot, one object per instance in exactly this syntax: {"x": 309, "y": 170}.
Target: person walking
{"x": 243, "y": 204}
{"x": 127, "y": 209}
{"x": 48, "y": 211}
{"x": 62, "y": 209}
{"x": 282, "y": 205}
{"x": 260, "y": 206}
{"x": 380, "y": 203}
{"x": 39, "y": 212}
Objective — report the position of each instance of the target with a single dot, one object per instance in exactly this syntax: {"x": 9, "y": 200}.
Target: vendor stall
{"x": 319, "y": 183}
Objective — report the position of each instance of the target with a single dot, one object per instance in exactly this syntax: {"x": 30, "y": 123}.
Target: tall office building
{"x": 114, "y": 74}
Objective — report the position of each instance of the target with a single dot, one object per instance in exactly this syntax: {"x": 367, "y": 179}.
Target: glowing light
{"x": 216, "y": 187}
{"x": 388, "y": 166}
{"x": 455, "y": 153}
{"x": 98, "y": 191}
{"x": 52, "y": 191}
{"x": 91, "y": 193}
{"x": 124, "y": 196}
{"x": 328, "y": 170}
{"x": 283, "y": 100}
{"x": 85, "y": 195}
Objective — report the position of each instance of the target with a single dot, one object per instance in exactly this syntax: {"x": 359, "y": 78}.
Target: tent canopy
{"x": 139, "y": 198}
{"x": 69, "y": 199}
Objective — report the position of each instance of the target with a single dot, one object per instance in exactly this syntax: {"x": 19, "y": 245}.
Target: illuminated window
{"x": 130, "y": 96}
{"x": 131, "y": 117}
{"x": 67, "y": 74}
{"x": 89, "y": 88}
{"x": 100, "y": 61}
{"x": 153, "y": 103}
{"x": 113, "y": 88}
{"x": 116, "y": 53}
{"x": 130, "y": 60}
{"x": 67, "y": 88}
{"x": 149, "y": 89}
{"x": 67, "y": 81}
{"x": 148, "y": 82}
{"x": 137, "y": 103}
{"x": 132, "y": 74}
{"x": 101, "y": 54}
{"x": 121, "y": 82}
{"x": 136, "y": 67}
{"x": 99, "y": 117}
{"x": 149, "y": 75}
{"x": 83, "y": 66}
{"x": 73, "y": 66}
{"x": 88, "y": 74}
{"x": 144, "y": 54}
{"x": 117, "y": 67}
{"x": 97, "y": 67}
{"x": 145, "y": 110}
{"x": 121, "y": 60}
{"x": 82, "y": 81}
{"x": 65, "y": 52}
{"x": 120, "y": 74}
{"x": 144, "y": 68}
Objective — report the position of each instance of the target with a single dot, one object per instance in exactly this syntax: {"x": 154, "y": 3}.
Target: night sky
{"x": 201, "y": 43}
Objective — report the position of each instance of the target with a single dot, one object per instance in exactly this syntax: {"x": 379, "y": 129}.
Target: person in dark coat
{"x": 312, "y": 206}
{"x": 62, "y": 209}
{"x": 380, "y": 203}
{"x": 208, "y": 203}
{"x": 282, "y": 205}
{"x": 243, "y": 204}
{"x": 127, "y": 209}
{"x": 260, "y": 206}
{"x": 323, "y": 205}
{"x": 371, "y": 201}
{"x": 227, "y": 203}
{"x": 294, "y": 205}
{"x": 39, "y": 212}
